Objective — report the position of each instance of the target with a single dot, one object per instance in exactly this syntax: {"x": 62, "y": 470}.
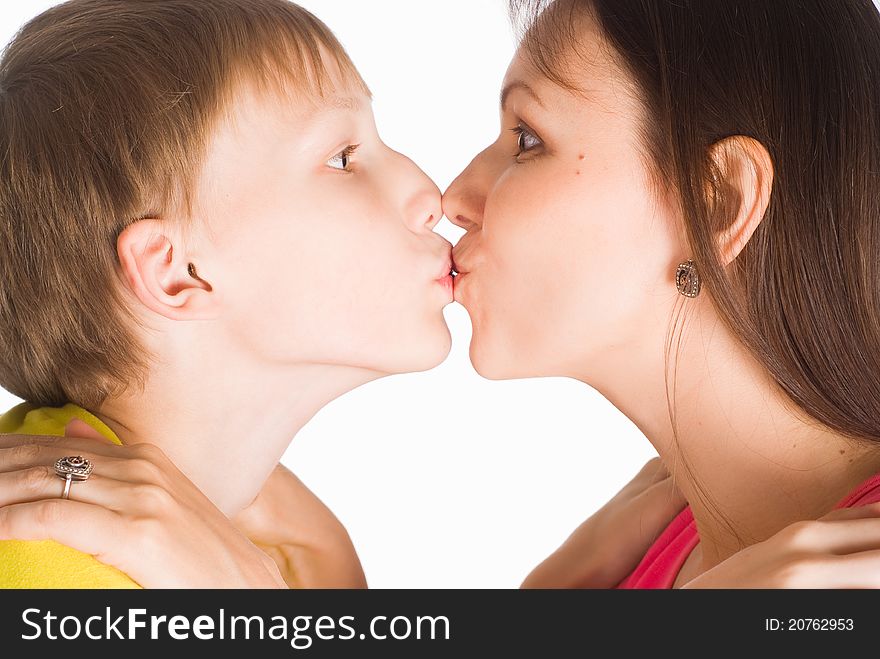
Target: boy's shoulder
{"x": 28, "y": 419}
{"x": 46, "y": 563}
{"x": 49, "y": 564}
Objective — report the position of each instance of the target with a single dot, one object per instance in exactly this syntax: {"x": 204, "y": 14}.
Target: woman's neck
{"x": 740, "y": 444}
{"x": 225, "y": 425}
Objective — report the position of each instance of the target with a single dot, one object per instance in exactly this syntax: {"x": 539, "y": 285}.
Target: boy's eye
{"x": 342, "y": 159}
{"x": 526, "y": 140}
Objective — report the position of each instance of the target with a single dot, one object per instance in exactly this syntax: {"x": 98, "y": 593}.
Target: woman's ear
{"x": 160, "y": 274}
{"x": 745, "y": 178}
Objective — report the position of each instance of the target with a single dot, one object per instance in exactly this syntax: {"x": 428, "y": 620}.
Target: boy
{"x": 204, "y": 241}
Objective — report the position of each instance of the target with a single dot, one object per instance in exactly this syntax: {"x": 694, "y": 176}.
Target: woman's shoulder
{"x": 868, "y": 491}
{"x": 49, "y": 564}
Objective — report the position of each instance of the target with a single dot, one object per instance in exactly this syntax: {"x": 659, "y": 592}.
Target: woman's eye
{"x": 342, "y": 159}
{"x": 525, "y": 140}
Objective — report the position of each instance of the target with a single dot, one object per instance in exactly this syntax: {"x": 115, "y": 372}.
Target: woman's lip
{"x": 456, "y": 286}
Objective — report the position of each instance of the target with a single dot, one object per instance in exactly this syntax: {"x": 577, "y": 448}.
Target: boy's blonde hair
{"x": 106, "y": 110}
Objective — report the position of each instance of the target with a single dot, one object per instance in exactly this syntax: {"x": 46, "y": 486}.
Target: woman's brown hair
{"x": 802, "y": 77}
{"x": 106, "y": 110}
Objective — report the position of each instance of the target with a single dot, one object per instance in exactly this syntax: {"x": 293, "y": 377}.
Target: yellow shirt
{"x": 46, "y": 563}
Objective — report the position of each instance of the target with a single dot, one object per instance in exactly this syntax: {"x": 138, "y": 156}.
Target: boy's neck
{"x": 226, "y": 427}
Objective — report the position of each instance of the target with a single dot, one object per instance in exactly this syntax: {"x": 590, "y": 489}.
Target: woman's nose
{"x": 465, "y": 198}
{"x": 453, "y": 208}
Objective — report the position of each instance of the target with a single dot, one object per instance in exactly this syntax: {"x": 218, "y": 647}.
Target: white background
{"x": 445, "y": 479}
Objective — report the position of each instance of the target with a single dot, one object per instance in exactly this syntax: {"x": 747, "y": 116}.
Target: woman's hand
{"x": 839, "y": 550}
{"x": 136, "y": 512}
{"x": 308, "y": 543}
{"x": 609, "y": 545}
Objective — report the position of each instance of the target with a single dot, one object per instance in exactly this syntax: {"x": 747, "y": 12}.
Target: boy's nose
{"x": 424, "y": 209}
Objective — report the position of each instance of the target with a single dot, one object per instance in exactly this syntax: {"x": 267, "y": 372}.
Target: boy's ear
{"x": 746, "y": 169}
{"x": 158, "y": 272}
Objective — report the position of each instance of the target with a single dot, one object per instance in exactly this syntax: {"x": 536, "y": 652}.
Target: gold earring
{"x": 191, "y": 269}
{"x": 687, "y": 279}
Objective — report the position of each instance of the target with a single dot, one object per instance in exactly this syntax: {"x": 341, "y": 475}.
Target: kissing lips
{"x": 446, "y": 282}
{"x": 445, "y": 278}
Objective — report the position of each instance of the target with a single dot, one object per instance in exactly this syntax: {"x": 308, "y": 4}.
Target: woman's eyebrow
{"x": 519, "y": 84}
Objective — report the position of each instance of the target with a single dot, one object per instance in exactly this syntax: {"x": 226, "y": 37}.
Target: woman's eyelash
{"x": 522, "y": 134}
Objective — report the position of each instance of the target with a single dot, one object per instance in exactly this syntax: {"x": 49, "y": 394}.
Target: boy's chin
{"x": 429, "y": 352}
{"x": 432, "y": 353}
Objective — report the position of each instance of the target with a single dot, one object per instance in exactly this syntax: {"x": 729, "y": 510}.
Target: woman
{"x": 576, "y": 113}
{"x": 690, "y": 225}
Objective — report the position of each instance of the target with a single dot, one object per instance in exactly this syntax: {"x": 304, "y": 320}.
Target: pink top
{"x": 663, "y": 560}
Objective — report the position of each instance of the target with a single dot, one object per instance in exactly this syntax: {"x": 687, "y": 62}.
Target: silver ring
{"x": 72, "y": 468}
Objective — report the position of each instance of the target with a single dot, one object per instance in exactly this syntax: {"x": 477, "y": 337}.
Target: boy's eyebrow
{"x": 343, "y": 103}
{"x": 328, "y": 105}
{"x": 334, "y": 103}
{"x": 519, "y": 84}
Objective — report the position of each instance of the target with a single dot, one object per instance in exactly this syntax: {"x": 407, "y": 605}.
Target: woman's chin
{"x": 491, "y": 363}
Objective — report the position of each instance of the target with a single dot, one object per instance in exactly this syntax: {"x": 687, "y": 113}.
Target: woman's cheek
{"x": 518, "y": 268}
